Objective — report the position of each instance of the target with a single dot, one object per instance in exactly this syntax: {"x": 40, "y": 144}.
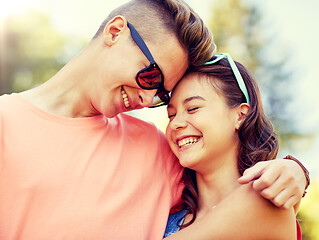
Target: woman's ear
{"x": 242, "y": 111}
{"x": 113, "y": 29}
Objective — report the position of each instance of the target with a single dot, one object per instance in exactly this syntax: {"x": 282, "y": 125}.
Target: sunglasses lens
{"x": 160, "y": 99}
{"x": 164, "y": 96}
{"x": 150, "y": 78}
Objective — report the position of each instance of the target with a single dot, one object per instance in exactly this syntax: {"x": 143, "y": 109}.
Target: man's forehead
{"x": 173, "y": 61}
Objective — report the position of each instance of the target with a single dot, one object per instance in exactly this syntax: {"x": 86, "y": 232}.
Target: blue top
{"x": 174, "y": 221}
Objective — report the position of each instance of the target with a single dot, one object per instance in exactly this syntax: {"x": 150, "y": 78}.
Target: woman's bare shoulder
{"x": 258, "y": 216}
{"x": 243, "y": 215}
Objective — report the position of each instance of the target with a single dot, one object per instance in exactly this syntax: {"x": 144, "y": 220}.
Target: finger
{"x": 282, "y": 197}
{"x": 274, "y": 190}
{"x": 269, "y": 176}
{"x": 271, "y": 188}
{"x": 291, "y": 202}
{"x": 252, "y": 173}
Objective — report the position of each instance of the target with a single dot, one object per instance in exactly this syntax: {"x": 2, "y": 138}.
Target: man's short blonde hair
{"x": 154, "y": 19}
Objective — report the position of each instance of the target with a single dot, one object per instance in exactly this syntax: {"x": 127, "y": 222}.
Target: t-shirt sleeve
{"x": 173, "y": 169}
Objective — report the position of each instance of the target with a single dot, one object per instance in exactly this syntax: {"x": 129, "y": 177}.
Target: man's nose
{"x": 146, "y": 97}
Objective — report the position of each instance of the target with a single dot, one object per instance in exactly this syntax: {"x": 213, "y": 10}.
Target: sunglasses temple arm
{"x": 140, "y": 43}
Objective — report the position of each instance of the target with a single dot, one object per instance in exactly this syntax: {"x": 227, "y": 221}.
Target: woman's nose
{"x": 178, "y": 122}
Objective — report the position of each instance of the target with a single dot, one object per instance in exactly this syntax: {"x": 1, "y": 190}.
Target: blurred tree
{"x": 239, "y": 28}
{"x": 30, "y": 51}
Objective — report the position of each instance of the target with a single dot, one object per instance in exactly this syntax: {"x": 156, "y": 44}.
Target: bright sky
{"x": 295, "y": 21}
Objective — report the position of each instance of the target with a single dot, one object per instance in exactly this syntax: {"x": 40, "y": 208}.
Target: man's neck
{"x": 62, "y": 95}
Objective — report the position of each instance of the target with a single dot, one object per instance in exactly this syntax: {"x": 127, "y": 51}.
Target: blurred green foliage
{"x": 309, "y": 213}
{"x": 32, "y": 51}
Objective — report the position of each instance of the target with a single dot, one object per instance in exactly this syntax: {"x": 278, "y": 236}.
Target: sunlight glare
{"x": 13, "y": 7}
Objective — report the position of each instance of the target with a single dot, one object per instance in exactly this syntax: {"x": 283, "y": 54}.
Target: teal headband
{"x": 236, "y": 72}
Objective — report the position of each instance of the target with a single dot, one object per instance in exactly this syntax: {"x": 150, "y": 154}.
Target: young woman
{"x": 217, "y": 128}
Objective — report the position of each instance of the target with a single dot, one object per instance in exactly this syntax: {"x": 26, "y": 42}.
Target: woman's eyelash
{"x": 188, "y": 110}
{"x": 192, "y": 109}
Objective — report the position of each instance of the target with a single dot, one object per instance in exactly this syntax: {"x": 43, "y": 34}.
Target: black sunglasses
{"x": 150, "y": 77}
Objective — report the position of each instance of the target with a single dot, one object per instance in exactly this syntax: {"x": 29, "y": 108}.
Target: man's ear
{"x": 113, "y": 29}
{"x": 242, "y": 111}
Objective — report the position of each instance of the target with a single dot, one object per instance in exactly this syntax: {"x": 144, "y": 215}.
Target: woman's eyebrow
{"x": 193, "y": 98}
{"x": 188, "y": 100}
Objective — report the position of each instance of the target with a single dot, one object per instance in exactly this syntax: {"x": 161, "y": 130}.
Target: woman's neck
{"x": 214, "y": 186}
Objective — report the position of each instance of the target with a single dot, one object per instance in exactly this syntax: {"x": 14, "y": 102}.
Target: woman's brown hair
{"x": 258, "y": 141}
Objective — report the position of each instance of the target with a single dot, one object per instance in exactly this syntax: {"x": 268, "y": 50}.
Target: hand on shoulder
{"x": 253, "y": 217}
{"x": 243, "y": 215}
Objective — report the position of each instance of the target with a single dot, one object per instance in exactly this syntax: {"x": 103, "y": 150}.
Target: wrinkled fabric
{"x": 82, "y": 178}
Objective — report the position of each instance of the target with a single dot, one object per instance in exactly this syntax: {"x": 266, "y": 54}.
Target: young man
{"x": 72, "y": 166}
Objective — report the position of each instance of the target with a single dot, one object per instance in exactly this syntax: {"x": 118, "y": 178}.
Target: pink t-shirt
{"x": 86, "y": 178}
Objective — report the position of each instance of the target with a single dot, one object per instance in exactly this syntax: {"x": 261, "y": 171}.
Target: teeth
{"x": 187, "y": 141}
{"x": 125, "y": 99}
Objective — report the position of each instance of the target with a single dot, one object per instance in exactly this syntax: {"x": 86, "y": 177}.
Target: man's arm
{"x": 282, "y": 181}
